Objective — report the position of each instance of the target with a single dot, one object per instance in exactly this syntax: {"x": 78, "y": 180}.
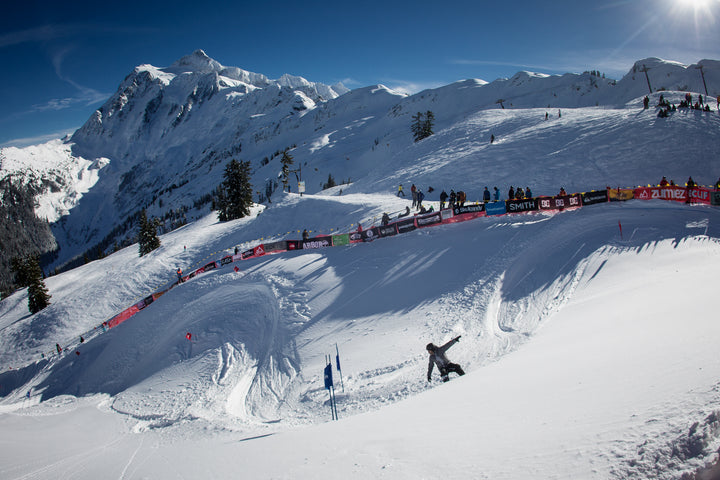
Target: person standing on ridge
{"x": 438, "y": 357}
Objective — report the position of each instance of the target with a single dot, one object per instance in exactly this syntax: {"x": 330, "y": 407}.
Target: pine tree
{"x": 286, "y": 161}
{"x": 38, "y": 296}
{"x": 234, "y": 194}
{"x": 417, "y": 126}
{"x": 18, "y": 265}
{"x": 147, "y": 237}
{"x": 422, "y": 126}
{"x": 330, "y": 182}
{"x": 428, "y": 125}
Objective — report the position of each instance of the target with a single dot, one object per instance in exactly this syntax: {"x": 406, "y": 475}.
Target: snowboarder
{"x": 437, "y": 357}
{"x": 413, "y": 191}
{"x": 179, "y": 275}
{"x": 305, "y": 235}
{"x": 400, "y": 191}
{"x": 420, "y": 198}
{"x": 496, "y": 194}
{"x": 385, "y": 219}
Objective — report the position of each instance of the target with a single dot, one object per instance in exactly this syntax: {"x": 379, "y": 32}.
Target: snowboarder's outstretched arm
{"x": 431, "y": 364}
{"x": 449, "y": 344}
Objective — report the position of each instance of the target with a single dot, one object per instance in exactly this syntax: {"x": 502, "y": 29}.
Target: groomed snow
{"x": 588, "y": 355}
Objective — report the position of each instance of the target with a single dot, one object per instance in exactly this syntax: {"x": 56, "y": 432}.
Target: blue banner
{"x": 495, "y": 208}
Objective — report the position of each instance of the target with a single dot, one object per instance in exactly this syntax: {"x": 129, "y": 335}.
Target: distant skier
{"x": 400, "y": 191}
{"x": 437, "y": 357}
{"x": 305, "y": 235}
{"x": 179, "y": 275}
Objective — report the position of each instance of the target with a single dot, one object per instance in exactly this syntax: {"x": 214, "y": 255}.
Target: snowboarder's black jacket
{"x": 437, "y": 357}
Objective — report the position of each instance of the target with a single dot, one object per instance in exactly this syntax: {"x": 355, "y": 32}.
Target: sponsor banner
{"x": 355, "y": 237}
{"x": 466, "y": 212}
{"x": 715, "y": 198}
{"x": 157, "y": 295}
{"x": 495, "y": 208}
{"x": 596, "y": 196}
{"x": 387, "y": 230}
{"x": 226, "y": 260}
{"x": 247, "y": 254}
{"x": 446, "y": 215}
{"x": 517, "y": 206}
{"x": 428, "y": 220}
{"x": 560, "y": 203}
{"x": 475, "y": 208}
{"x": 406, "y": 225}
{"x": 317, "y": 242}
{"x": 273, "y": 247}
{"x": 700, "y": 195}
{"x": 259, "y": 251}
{"x": 210, "y": 266}
{"x": 122, "y": 316}
{"x": 620, "y": 194}
{"x": 370, "y": 234}
{"x": 338, "y": 240}
{"x": 144, "y": 302}
{"x": 674, "y": 193}
{"x": 677, "y": 194}
{"x": 294, "y": 245}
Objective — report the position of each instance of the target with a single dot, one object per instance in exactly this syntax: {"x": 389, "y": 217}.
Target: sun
{"x": 696, "y": 4}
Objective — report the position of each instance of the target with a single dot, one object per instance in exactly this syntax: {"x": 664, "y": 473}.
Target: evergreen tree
{"x": 428, "y": 124}
{"x": 38, "y": 296}
{"x": 330, "y": 182}
{"x": 18, "y": 265}
{"x": 422, "y": 126}
{"x": 234, "y": 194}
{"x": 417, "y": 126}
{"x": 286, "y": 161}
{"x": 147, "y": 237}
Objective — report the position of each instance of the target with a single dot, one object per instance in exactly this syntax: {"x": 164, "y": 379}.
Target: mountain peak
{"x": 198, "y": 61}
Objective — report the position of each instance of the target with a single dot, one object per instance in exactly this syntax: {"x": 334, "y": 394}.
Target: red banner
{"x": 674, "y": 193}
{"x": 122, "y": 316}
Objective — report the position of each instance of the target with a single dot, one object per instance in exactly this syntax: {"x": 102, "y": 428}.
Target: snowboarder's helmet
{"x": 430, "y": 347}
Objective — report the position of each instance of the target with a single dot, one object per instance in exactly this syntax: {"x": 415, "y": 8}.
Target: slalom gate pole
{"x": 337, "y": 359}
{"x": 620, "y": 225}
{"x": 329, "y": 386}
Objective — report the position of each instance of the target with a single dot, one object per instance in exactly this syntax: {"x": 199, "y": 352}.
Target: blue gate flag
{"x": 328, "y": 376}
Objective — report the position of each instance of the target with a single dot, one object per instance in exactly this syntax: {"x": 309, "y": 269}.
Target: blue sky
{"x": 62, "y": 60}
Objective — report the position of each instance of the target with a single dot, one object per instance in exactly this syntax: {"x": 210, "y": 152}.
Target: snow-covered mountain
{"x": 162, "y": 140}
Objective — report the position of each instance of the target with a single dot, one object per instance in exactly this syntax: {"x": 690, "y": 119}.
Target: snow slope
{"x": 588, "y": 355}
